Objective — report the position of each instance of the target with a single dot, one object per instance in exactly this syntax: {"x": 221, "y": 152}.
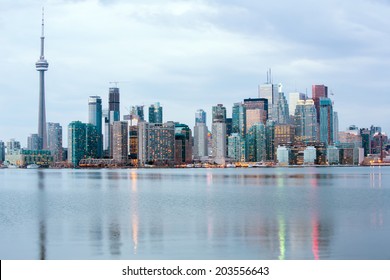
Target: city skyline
{"x": 181, "y": 54}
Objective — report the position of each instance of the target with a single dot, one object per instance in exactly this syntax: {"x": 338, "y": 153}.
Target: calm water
{"x": 270, "y": 213}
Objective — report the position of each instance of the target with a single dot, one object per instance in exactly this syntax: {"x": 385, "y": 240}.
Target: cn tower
{"x": 41, "y": 67}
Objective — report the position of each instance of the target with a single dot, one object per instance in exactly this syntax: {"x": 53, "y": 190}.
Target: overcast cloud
{"x": 191, "y": 54}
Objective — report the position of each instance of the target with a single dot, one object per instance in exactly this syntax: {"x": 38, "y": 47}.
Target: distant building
{"x": 219, "y": 139}
{"x": 280, "y": 108}
{"x": 2, "y": 151}
{"x": 366, "y": 140}
{"x": 95, "y": 116}
{"x": 333, "y": 155}
{"x": 326, "y": 121}
{"x": 270, "y": 140}
{"x": 335, "y": 127}
{"x": 183, "y": 144}
{"x": 200, "y": 116}
{"x": 120, "y": 142}
{"x": 200, "y": 141}
{"x": 256, "y": 111}
{"x": 24, "y": 157}
{"x": 219, "y": 114}
{"x": 133, "y": 144}
{"x": 256, "y": 143}
{"x": 283, "y": 155}
{"x": 113, "y": 116}
{"x": 318, "y": 92}
{"x": 156, "y": 143}
{"x": 13, "y": 147}
{"x": 77, "y": 132}
{"x": 54, "y": 140}
{"x": 235, "y": 147}
{"x": 305, "y": 120}
{"x": 269, "y": 91}
{"x": 155, "y": 113}
{"x": 34, "y": 142}
{"x": 284, "y": 134}
{"x": 310, "y": 155}
{"x": 294, "y": 97}
{"x": 239, "y": 119}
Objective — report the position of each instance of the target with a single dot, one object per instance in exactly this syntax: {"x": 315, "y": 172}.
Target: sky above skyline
{"x": 189, "y": 55}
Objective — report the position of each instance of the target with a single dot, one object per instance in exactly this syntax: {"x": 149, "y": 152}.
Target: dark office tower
{"x": 54, "y": 140}
{"x": 270, "y": 140}
{"x": 155, "y": 113}
{"x": 366, "y": 140}
{"x": 318, "y": 91}
{"x": 95, "y": 118}
{"x": 42, "y": 66}
{"x": 200, "y": 116}
{"x": 77, "y": 140}
{"x": 113, "y": 114}
{"x": 92, "y": 141}
{"x": 326, "y": 121}
{"x": 219, "y": 114}
{"x": 2, "y": 151}
{"x": 229, "y": 126}
{"x": 256, "y": 111}
{"x": 183, "y": 144}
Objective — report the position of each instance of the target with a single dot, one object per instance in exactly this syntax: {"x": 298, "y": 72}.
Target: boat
{"x": 33, "y": 166}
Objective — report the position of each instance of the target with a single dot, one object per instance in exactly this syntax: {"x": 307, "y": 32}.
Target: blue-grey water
{"x": 258, "y": 213}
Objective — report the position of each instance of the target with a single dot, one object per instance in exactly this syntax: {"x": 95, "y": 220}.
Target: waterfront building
{"x": 95, "y": 117}
{"x": 335, "y": 127}
{"x": 235, "y": 147}
{"x": 200, "y": 141}
{"x": 155, "y": 113}
{"x": 256, "y": 111}
{"x": 24, "y": 157}
{"x": 270, "y": 140}
{"x": 283, "y": 155}
{"x": 256, "y": 143}
{"x": 366, "y": 140}
{"x": 284, "y": 134}
{"x": 332, "y": 155}
{"x": 294, "y": 97}
{"x": 183, "y": 144}
{"x": 239, "y": 119}
{"x": 305, "y": 120}
{"x": 156, "y": 143}
{"x": 91, "y": 141}
{"x": 219, "y": 139}
{"x": 34, "y": 142}
{"x": 120, "y": 142}
{"x": 200, "y": 116}
{"x": 42, "y": 65}
{"x": 318, "y": 92}
{"x": 54, "y": 140}
{"x": 13, "y": 146}
{"x": 77, "y": 132}
{"x": 309, "y": 155}
{"x": 326, "y": 121}
{"x": 133, "y": 144}
{"x": 113, "y": 115}
{"x": 2, "y": 151}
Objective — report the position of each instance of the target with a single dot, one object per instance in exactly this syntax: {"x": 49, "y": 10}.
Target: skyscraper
{"x": 293, "y": 101}
{"x": 326, "y": 121}
{"x": 318, "y": 91}
{"x": 76, "y": 142}
{"x": 256, "y": 143}
{"x": 234, "y": 147}
{"x": 239, "y": 119}
{"x": 200, "y": 141}
{"x": 200, "y": 116}
{"x": 113, "y": 114}
{"x": 54, "y": 140}
{"x": 120, "y": 142}
{"x": 34, "y": 142}
{"x": 183, "y": 144}
{"x": 2, "y": 151}
{"x": 305, "y": 121}
{"x": 42, "y": 66}
{"x": 95, "y": 118}
{"x": 280, "y": 108}
{"x": 219, "y": 114}
{"x": 155, "y": 113}
{"x": 256, "y": 111}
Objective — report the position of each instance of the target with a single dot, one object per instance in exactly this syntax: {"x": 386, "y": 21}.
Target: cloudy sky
{"x": 191, "y": 54}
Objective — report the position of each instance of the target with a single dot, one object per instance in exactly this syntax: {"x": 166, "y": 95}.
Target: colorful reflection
{"x": 282, "y": 238}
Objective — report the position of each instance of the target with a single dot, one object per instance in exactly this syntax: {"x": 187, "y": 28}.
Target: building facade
{"x": 120, "y": 142}
{"x": 326, "y": 121}
{"x": 305, "y": 120}
{"x": 95, "y": 117}
{"x": 54, "y": 140}
{"x": 155, "y": 113}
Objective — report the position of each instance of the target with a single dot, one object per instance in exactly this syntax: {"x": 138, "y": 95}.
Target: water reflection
{"x": 42, "y": 214}
{"x": 376, "y": 176}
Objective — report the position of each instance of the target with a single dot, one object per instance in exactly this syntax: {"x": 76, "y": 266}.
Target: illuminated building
{"x": 120, "y": 142}
{"x": 95, "y": 116}
{"x": 155, "y": 113}
{"x": 256, "y": 143}
{"x": 183, "y": 144}
{"x": 156, "y": 143}
{"x": 256, "y": 111}
{"x": 326, "y": 121}
{"x": 113, "y": 116}
{"x": 284, "y": 134}
{"x": 305, "y": 120}
{"x": 54, "y": 140}
{"x": 133, "y": 144}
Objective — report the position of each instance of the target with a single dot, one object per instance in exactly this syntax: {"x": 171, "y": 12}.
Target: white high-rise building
{"x": 294, "y": 97}
{"x": 219, "y": 142}
{"x": 200, "y": 140}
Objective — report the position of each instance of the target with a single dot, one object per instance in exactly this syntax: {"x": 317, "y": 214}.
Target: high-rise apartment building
{"x": 54, "y": 140}
{"x": 326, "y": 121}
{"x": 42, "y": 65}
{"x": 156, "y": 143}
{"x": 113, "y": 115}
{"x": 239, "y": 119}
{"x": 34, "y": 142}
{"x": 200, "y": 140}
{"x": 120, "y": 142}
{"x": 76, "y": 142}
{"x": 219, "y": 114}
{"x": 183, "y": 144}
{"x": 235, "y": 147}
{"x": 219, "y": 134}
{"x": 256, "y": 143}
{"x": 200, "y": 116}
{"x": 95, "y": 118}
{"x": 155, "y": 113}
{"x": 13, "y": 147}
{"x": 305, "y": 119}
{"x": 92, "y": 141}
{"x": 256, "y": 111}
{"x": 318, "y": 92}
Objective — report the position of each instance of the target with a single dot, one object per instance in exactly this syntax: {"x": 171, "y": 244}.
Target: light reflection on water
{"x": 272, "y": 213}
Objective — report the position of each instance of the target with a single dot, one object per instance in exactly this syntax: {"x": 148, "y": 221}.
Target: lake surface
{"x": 254, "y": 213}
